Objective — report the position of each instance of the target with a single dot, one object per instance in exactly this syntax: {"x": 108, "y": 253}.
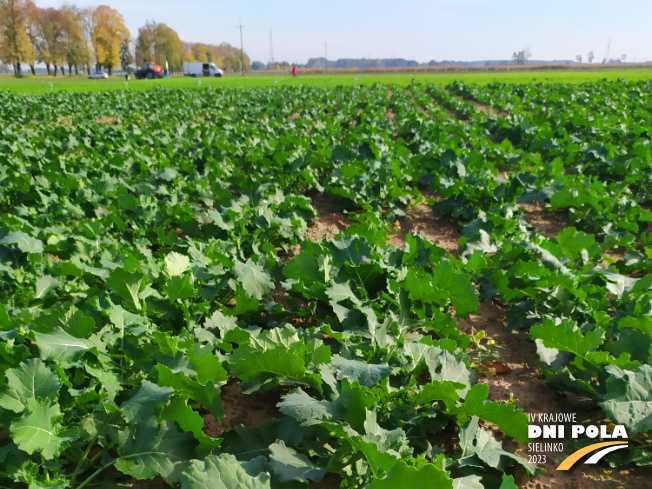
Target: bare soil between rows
{"x": 531, "y": 394}
{"x": 522, "y": 382}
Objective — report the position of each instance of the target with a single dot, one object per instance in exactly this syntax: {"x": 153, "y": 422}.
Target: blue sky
{"x": 413, "y": 29}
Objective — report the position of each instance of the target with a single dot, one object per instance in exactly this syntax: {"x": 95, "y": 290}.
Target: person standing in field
{"x": 294, "y": 71}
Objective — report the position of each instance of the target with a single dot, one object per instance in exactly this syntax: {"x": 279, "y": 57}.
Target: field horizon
{"x": 79, "y": 83}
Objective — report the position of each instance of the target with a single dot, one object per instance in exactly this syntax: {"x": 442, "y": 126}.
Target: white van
{"x": 201, "y": 69}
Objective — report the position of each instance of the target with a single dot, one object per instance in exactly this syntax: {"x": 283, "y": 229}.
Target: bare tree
{"x": 87, "y": 26}
{"x": 590, "y": 57}
{"x": 126, "y": 58}
{"x": 521, "y": 57}
{"x": 579, "y": 58}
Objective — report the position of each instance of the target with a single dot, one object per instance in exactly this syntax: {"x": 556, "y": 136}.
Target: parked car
{"x": 98, "y": 76}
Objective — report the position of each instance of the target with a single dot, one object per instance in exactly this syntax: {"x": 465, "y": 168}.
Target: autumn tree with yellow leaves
{"x": 15, "y": 44}
{"x": 108, "y": 33}
{"x": 76, "y": 48}
{"x": 51, "y": 40}
{"x": 160, "y": 43}
{"x": 82, "y": 37}
{"x": 32, "y": 13}
{"x": 225, "y": 56}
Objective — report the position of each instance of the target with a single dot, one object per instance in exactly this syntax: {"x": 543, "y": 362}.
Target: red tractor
{"x": 151, "y": 71}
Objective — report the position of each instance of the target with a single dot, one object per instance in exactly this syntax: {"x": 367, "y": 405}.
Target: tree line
{"x": 80, "y": 38}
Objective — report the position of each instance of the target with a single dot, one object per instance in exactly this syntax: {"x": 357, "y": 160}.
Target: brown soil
{"x": 252, "y": 410}
{"x": 327, "y": 225}
{"x": 65, "y": 121}
{"x": 419, "y": 107}
{"x": 552, "y": 223}
{"x": 391, "y": 116}
{"x": 330, "y": 220}
{"x": 544, "y": 222}
{"x": 330, "y": 481}
{"x": 4, "y": 438}
{"x": 486, "y": 109}
{"x": 471, "y": 69}
{"x": 456, "y": 114}
{"x": 440, "y": 230}
{"x": 280, "y": 296}
{"x": 107, "y": 120}
{"x": 533, "y": 395}
{"x": 612, "y": 256}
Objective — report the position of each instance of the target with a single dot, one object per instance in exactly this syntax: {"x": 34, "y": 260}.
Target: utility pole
{"x": 241, "y": 47}
{"x": 326, "y": 55}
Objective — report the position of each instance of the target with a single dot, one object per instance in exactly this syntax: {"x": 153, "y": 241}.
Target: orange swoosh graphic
{"x": 575, "y": 456}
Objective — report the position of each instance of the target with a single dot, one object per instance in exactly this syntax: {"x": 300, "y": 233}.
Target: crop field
{"x": 345, "y": 285}
{"x": 42, "y": 84}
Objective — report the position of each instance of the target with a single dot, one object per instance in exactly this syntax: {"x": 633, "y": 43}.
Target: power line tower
{"x": 271, "y": 49}
{"x": 606, "y": 56}
{"x": 241, "y": 47}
